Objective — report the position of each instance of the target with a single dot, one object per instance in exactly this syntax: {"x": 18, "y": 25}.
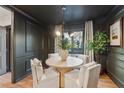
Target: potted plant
{"x": 99, "y": 45}
{"x": 65, "y": 45}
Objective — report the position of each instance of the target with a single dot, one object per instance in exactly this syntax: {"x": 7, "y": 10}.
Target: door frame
{"x": 12, "y": 44}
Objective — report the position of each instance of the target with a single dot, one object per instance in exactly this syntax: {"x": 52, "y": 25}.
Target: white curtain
{"x": 57, "y": 38}
{"x": 88, "y": 36}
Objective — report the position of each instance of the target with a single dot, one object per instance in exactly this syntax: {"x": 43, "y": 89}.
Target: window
{"x": 77, "y": 38}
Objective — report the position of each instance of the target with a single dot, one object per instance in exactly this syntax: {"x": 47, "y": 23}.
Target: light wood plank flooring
{"x": 5, "y": 82}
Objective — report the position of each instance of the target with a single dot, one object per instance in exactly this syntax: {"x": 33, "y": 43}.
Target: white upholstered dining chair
{"x": 43, "y": 78}
{"x": 84, "y": 58}
{"x": 53, "y": 55}
{"x": 92, "y": 76}
{"x": 87, "y": 76}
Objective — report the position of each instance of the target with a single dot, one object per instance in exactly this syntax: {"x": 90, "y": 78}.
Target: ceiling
{"x": 52, "y": 14}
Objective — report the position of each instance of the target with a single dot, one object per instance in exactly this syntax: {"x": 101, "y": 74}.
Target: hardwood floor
{"x": 106, "y": 82}
{"x": 5, "y": 82}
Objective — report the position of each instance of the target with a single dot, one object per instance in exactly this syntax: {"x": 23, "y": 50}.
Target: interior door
{"x": 2, "y": 50}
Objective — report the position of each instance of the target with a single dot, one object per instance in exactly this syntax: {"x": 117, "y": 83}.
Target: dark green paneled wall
{"x": 115, "y": 56}
{"x": 51, "y": 38}
{"x": 115, "y": 63}
{"x": 29, "y": 38}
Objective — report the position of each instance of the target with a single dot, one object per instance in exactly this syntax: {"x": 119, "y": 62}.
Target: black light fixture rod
{"x": 63, "y": 22}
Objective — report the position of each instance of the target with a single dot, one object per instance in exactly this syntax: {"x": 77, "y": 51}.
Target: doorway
{"x": 5, "y": 29}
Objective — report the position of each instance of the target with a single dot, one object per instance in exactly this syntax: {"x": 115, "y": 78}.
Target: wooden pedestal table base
{"x": 62, "y": 71}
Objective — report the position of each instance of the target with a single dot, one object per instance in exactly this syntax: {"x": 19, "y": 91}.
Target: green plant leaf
{"x": 99, "y": 42}
{"x": 66, "y": 44}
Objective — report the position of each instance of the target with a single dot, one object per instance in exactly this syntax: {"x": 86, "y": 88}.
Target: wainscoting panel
{"x": 20, "y": 68}
{"x": 115, "y": 65}
{"x": 28, "y": 37}
{"x": 19, "y": 35}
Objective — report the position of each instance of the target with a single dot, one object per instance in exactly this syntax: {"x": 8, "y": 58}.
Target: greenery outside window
{"x": 77, "y": 38}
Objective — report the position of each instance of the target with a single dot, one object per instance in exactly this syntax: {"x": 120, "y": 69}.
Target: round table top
{"x": 71, "y": 62}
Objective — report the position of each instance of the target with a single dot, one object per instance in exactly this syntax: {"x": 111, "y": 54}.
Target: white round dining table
{"x": 63, "y": 66}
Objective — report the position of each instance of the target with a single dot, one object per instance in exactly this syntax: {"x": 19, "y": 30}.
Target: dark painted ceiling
{"x": 52, "y": 14}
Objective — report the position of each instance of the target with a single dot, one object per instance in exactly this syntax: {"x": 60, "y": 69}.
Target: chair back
{"x": 37, "y": 71}
{"x": 92, "y": 76}
{"x": 34, "y": 75}
{"x": 83, "y": 71}
{"x": 74, "y": 55}
{"x": 85, "y": 58}
{"x": 73, "y": 59}
{"x": 53, "y": 55}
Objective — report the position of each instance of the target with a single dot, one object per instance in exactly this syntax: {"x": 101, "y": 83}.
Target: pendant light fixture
{"x": 63, "y": 22}
{"x": 58, "y": 33}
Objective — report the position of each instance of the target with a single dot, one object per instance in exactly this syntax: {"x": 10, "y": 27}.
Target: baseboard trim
{"x": 116, "y": 80}
{"x": 20, "y": 78}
